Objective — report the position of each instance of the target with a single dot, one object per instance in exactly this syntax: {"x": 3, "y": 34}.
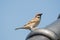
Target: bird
{"x": 58, "y": 17}
{"x": 32, "y": 24}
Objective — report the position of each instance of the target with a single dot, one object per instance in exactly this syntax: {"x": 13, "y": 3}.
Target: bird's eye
{"x": 38, "y": 17}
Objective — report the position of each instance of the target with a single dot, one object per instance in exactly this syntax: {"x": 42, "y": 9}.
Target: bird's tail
{"x": 20, "y": 28}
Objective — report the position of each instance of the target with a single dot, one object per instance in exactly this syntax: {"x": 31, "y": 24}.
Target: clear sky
{"x": 15, "y": 13}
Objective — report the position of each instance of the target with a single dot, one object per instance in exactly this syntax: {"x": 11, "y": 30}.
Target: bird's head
{"x": 38, "y": 15}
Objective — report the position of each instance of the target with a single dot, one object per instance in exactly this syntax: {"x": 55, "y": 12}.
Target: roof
{"x": 54, "y": 27}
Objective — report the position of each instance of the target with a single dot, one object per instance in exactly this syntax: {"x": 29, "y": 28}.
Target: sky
{"x": 15, "y": 13}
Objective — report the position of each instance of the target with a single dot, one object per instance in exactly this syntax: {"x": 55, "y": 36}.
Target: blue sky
{"x": 15, "y": 13}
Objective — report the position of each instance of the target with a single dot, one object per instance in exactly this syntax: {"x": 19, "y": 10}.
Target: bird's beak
{"x": 41, "y": 14}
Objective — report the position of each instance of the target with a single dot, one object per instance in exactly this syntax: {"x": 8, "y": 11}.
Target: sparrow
{"x": 32, "y": 24}
{"x": 58, "y": 17}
